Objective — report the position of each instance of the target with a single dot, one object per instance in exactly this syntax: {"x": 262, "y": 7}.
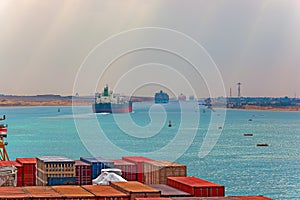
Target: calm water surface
{"x": 235, "y": 161}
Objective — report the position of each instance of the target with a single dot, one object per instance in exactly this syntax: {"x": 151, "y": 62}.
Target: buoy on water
{"x": 170, "y": 124}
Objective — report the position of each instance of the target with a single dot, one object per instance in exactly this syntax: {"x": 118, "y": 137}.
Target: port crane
{"x": 3, "y": 135}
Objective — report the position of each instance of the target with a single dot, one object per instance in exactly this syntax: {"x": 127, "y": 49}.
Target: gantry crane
{"x": 3, "y": 135}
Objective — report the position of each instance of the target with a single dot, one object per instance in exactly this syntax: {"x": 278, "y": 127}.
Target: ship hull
{"x": 112, "y": 108}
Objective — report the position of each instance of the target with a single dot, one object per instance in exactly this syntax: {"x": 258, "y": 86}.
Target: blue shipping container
{"x": 61, "y": 181}
{"x": 98, "y": 164}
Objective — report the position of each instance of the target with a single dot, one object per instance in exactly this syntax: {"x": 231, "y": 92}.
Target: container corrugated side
{"x": 129, "y": 169}
{"x": 42, "y": 192}
{"x": 13, "y": 193}
{"x": 83, "y": 173}
{"x": 51, "y": 181}
{"x": 196, "y": 186}
{"x": 103, "y": 192}
{"x": 98, "y": 163}
{"x": 74, "y": 192}
{"x": 29, "y": 171}
{"x": 139, "y": 161}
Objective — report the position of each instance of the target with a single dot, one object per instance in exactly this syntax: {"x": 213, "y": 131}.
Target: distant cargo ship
{"x": 107, "y": 102}
{"x": 161, "y": 97}
{"x": 181, "y": 97}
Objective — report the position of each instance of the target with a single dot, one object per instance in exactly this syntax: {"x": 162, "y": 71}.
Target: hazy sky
{"x": 44, "y": 42}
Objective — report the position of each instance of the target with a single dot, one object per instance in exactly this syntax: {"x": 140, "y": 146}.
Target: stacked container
{"x": 129, "y": 169}
{"x": 139, "y": 161}
{"x": 19, "y": 170}
{"x": 42, "y": 192}
{"x": 55, "y": 170}
{"x": 158, "y": 198}
{"x": 83, "y": 173}
{"x": 135, "y": 189}
{"x": 98, "y": 164}
{"x": 73, "y": 192}
{"x": 157, "y": 172}
{"x": 168, "y": 191}
{"x": 29, "y": 171}
{"x": 105, "y": 192}
{"x": 13, "y": 193}
{"x": 196, "y": 186}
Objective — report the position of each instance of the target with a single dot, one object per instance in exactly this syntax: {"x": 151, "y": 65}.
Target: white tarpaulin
{"x": 105, "y": 177}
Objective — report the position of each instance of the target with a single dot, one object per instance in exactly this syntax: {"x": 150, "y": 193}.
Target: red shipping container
{"x": 139, "y": 161}
{"x": 19, "y": 168}
{"x": 129, "y": 169}
{"x": 29, "y": 171}
{"x": 196, "y": 186}
{"x": 83, "y": 173}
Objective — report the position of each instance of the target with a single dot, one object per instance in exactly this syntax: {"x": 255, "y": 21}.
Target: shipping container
{"x": 129, "y": 169}
{"x": 51, "y": 181}
{"x": 135, "y": 189}
{"x": 105, "y": 192}
{"x": 203, "y": 198}
{"x": 42, "y": 192}
{"x": 13, "y": 193}
{"x": 158, "y": 198}
{"x": 98, "y": 164}
{"x": 196, "y": 186}
{"x": 19, "y": 170}
{"x": 139, "y": 161}
{"x": 83, "y": 173}
{"x": 74, "y": 192}
{"x": 54, "y": 167}
{"x": 168, "y": 191}
{"x": 156, "y": 172}
{"x": 29, "y": 171}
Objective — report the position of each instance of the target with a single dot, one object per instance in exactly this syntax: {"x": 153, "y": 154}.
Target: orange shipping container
{"x": 13, "y": 193}
{"x": 42, "y": 192}
{"x": 105, "y": 192}
{"x": 73, "y": 192}
{"x": 157, "y": 172}
{"x": 135, "y": 189}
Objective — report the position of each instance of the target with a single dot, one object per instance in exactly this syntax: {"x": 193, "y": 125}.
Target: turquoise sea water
{"x": 235, "y": 161}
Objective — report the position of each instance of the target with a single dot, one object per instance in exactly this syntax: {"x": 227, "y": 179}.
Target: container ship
{"x": 161, "y": 97}
{"x": 108, "y": 102}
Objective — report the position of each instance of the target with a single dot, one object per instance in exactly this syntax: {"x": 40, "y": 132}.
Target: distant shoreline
{"x": 6, "y": 102}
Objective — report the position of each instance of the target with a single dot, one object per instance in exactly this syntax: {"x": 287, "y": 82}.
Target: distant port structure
{"x": 241, "y": 102}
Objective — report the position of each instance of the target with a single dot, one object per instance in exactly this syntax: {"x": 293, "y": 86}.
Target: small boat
{"x": 262, "y": 145}
{"x": 220, "y": 127}
{"x": 250, "y": 120}
{"x": 248, "y": 134}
